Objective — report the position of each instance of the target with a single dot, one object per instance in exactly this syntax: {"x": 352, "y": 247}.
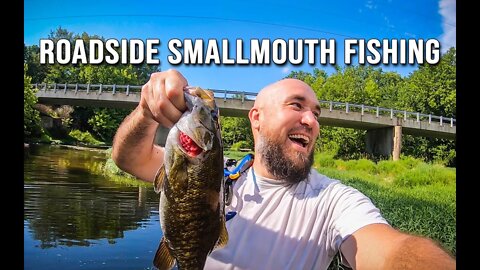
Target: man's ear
{"x": 254, "y": 116}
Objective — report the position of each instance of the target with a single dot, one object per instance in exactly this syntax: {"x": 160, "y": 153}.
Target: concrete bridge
{"x": 384, "y": 126}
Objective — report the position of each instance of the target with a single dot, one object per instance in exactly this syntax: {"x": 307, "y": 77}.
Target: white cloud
{"x": 448, "y": 10}
{"x": 285, "y": 70}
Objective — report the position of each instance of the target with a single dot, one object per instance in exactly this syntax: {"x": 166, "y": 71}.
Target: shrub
{"x": 84, "y": 137}
{"x": 364, "y": 165}
{"x": 425, "y": 175}
{"x": 391, "y": 167}
{"x": 324, "y": 160}
{"x": 410, "y": 162}
{"x": 239, "y": 145}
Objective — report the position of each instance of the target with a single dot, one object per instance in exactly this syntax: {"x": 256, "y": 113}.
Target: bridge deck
{"x": 236, "y": 103}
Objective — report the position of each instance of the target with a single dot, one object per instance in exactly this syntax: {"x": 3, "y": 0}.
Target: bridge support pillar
{"x": 161, "y": 135}
{"x": 385, "y": 141}
{"x": 397, "y": 142}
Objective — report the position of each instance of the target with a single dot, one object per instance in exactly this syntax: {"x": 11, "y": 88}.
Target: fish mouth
{"x": 189, "y": 146}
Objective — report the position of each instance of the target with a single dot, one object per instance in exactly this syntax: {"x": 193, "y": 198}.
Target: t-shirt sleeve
{"x": 349, "y": 210}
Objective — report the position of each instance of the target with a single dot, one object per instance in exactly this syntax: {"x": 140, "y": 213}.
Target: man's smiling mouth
{"x": 299, "y": 139}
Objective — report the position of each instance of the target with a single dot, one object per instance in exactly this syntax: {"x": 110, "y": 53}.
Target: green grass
{"x": 235, "y": 154}
{"x": 425, "y": 174}
{"x": 112, "y": 173}
{"x": 413, "y": 196}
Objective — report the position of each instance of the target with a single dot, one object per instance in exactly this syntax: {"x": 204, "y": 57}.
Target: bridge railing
{"x": 232, "y": 94}
{"x": 128, "y": 89}
{"x": 250, "y": 96}
{"x": 88, "y": 88}
{"x": 351, "y": 107}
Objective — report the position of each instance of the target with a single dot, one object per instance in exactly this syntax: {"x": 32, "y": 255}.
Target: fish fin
{"x": 163, "y": 259}
{"x": 223, "y": 237}
{"x": 201, "y": 93}
{"x": 160, "y": 178}
{"x": 206, "y": 95}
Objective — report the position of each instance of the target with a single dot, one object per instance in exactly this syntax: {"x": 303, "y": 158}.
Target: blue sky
{"x": 164, "y": 20}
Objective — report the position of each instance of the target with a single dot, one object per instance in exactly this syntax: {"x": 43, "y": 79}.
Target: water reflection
{"x": 67, "y": 205}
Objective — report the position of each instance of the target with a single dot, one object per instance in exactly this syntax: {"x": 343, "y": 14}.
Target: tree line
{"x": 100, "y": 122}
{"x": 430, "y": 89}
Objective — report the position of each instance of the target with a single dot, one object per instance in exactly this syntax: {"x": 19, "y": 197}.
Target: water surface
{"x": 77, "y": 218}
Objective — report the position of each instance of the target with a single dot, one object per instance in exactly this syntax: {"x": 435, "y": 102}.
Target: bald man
{"x": 288, "y": 216}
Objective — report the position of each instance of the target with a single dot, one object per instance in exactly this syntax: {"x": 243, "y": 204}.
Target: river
{"x": 77, "y": 218}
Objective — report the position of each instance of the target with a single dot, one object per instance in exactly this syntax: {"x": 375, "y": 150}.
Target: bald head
{"x": 284, "y": 122}
{"x": 287, "y": 92}
{"x": 272, "y": 92}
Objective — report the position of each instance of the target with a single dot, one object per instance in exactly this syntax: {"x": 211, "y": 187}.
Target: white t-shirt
{"x": 281, "y": 226}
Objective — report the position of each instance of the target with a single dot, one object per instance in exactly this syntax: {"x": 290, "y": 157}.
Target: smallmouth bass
{"x": 191, "y": 186}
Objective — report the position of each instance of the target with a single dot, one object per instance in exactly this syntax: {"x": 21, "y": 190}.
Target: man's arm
{"x": 161, "y": 103}
{"x": 379, "y": 246}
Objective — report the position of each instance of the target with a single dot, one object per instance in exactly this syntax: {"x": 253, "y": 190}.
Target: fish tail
{"x": 163, "y": 259}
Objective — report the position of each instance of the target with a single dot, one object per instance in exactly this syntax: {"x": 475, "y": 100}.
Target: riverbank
{"x": 79, "y": 146}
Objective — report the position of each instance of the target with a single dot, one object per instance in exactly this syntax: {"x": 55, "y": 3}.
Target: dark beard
{"x": 281, "y": 166}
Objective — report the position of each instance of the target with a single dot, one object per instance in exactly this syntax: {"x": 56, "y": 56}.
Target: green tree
{"x": 105, "y": 122}
{"x": 361, "y": 85}
{"x": 101, "y": 73}
{"x": 236, "y": 129}
{"x": 31, "y": 56}
{"x": 97, "y": 121}
{"x": 31, "y": 117}
{"x": 344, "y": 143}
{"x": 431, "y": 90}
{"x": 316, "y": 79}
